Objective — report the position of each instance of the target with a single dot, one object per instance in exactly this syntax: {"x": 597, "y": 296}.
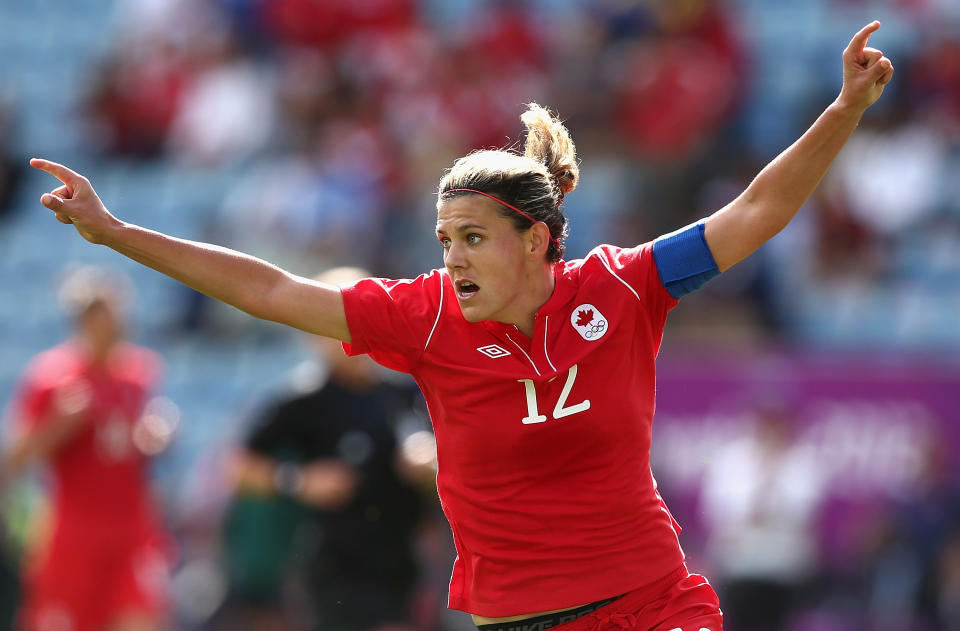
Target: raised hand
{"x": 76, "y": 202}
{"x": 865, "y": 70}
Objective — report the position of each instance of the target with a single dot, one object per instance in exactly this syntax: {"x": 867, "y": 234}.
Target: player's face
{"x": 102, "y": 325}
{"x": 486, "y": 258}
{"x": 345, "y": 370}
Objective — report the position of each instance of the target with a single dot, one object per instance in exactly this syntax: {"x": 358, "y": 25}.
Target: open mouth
{"x": 466, "y": 289}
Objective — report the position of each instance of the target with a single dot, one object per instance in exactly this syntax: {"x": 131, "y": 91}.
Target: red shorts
{"x": 679, "y": 602}
{"x": 90, "y": 586}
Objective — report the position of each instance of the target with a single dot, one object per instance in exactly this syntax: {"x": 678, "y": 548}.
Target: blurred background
{"x": 808, "y": 399}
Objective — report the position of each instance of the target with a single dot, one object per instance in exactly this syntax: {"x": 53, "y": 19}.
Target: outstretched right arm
{"x": 248, "y": 283}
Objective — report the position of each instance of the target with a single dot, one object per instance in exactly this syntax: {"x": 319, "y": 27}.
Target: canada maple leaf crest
{"x": 589, "y": 322}
{"x": 584, "y": 317}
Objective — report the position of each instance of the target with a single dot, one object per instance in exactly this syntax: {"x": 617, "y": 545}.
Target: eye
{"x": 474, "y": 238}
{"x": 445, "y": 242}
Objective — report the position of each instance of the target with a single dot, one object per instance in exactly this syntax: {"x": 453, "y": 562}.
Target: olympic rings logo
{"x": 588, "y": 322}
{"x": 596, "y": 329}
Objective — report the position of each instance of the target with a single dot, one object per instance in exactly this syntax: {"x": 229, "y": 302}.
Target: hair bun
{"x": 549, "y": 142}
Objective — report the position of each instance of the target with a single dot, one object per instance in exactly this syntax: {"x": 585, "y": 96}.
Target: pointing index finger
{"x": 859, "y": 41}
{"x": 62, "y": 173}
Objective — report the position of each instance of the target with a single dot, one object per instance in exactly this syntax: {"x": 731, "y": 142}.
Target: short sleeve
{"x": 636, "y": 269}
{"x": 32, "y": 400}
{"x": 392, "y": 320}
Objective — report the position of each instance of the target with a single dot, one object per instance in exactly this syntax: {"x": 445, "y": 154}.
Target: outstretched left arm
{"x": 783, "y": 186}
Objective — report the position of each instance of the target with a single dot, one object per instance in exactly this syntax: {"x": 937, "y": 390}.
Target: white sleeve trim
{"x": 614, "y": 274}
{"x": 439, "y": 311}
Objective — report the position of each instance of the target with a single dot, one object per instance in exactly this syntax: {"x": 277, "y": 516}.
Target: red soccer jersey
{"x": 100, "y": 486}
{"x": 543, "y": 443}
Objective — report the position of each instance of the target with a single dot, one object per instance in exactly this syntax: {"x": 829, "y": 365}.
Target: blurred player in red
{"x": 538, "y": 372}
{"x": 102, "y": 562}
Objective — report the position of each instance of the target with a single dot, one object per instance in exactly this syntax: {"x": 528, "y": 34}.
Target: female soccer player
{"x": 538, "y": 372}
{"x": 82, "y": 409}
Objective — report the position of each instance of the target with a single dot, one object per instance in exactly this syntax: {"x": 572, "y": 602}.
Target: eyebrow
{"x": 464, "y": 228}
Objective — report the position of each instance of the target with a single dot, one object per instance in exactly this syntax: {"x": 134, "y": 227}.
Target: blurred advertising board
{"x": 876, "y": 425}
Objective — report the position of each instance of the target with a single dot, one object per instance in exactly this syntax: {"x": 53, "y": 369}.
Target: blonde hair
{"x": 549, "y": 143}
{"x": 535, "y": 182}
{"x": 83, "y": 287}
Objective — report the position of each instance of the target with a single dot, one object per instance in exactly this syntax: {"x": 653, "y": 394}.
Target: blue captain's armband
{"x": 684, "y": 261}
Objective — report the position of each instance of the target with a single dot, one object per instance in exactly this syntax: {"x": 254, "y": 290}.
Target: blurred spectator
{"x": 327, "y": 24}
{"x": 9, "y": 584}
{"x": 309, "y": 89}
{"x": 891, "y": 572}
{"x": 935, "y": 80}
{"x": 892, "y": 171}
{"x": 914, "y": 572}
{"x": 328, "y": 504}
{"x": 82, "y": 407}
{"x": 135, "y": 96}
{"x": 227, "y": 111}
{"x": 760, "y": 498}
{"x": 948, "y": 585}
{"x": 11, "y": 170}
{"x": 678, "y": 79}
{"x": 316, "y": 207}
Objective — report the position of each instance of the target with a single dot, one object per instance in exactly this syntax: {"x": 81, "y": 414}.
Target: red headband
{"x": 553, "y": 240}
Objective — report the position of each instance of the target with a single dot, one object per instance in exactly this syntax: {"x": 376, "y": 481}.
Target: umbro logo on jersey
{"x": 589, "y": 322}
{"x": 494, "y": 351}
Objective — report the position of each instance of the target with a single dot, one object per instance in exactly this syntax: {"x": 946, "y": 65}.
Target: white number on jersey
{"x": 560, "y": 410}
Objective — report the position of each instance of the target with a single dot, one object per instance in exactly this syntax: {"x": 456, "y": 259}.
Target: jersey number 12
{"x": 560, "y": 409}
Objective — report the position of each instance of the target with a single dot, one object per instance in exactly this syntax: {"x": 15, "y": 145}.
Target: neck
{"x": 353, "y": 380}
{"x": 97, "y": 354}
{"x": 540, "y": 288}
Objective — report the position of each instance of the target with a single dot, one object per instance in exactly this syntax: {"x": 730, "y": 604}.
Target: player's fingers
{"x": 870, "y": 56}
{"x": 887, "y": 74}
{"x": 62, "y": 218}
{"x": 51, "y": 201}
{"x": 63, "y": 192}
{"x": 859, "y": 40}
{"x": 62, "y": 173}
{"x": 881, "y": 67}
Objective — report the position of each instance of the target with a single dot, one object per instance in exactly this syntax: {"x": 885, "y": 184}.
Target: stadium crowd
{"x": 340, "y": 114}
{"x": 335, "y": 118}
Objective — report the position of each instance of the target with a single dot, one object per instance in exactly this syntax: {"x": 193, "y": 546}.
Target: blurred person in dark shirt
{"x": 10, "y": 171}
{"x": 323, "y": 527}
{"x": 101, "y": 562}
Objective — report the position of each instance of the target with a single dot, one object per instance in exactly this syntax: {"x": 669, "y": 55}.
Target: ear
{"x": 538, "y": 241}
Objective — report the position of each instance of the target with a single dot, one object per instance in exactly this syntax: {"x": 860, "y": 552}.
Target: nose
{"x": 455, "y": 256}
